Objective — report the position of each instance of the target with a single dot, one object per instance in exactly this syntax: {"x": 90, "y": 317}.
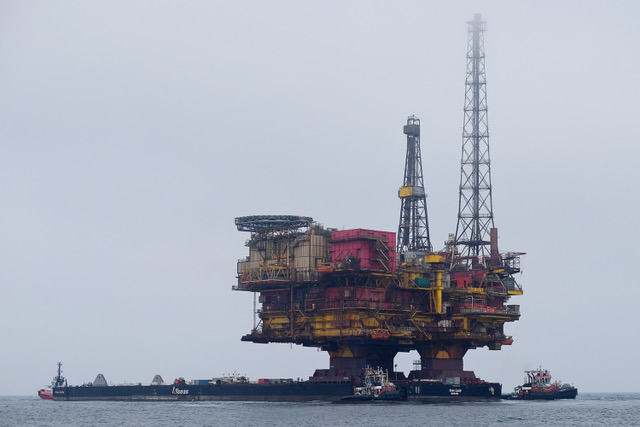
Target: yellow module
{"x": 410, "y": 191}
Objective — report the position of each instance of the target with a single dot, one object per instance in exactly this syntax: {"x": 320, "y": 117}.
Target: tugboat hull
{"x": 45, "y": 394}
{"x": 566, "y": 393}
{"x": 390, "y": 396}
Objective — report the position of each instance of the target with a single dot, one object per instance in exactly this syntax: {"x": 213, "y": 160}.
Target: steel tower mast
{"x": 475, "y": 208}
{"x": 413, "y": 230}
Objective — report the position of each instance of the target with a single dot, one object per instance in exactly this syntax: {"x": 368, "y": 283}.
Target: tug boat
{"x": 58, "y": 381}
{"x": 375, "y": 387}
{"x": 538, "y": 385}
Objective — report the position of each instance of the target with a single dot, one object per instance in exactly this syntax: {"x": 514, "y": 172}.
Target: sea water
{"x": 611, "y": 409}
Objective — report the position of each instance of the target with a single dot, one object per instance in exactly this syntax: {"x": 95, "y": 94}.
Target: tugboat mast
{"x": 59, "y": 380}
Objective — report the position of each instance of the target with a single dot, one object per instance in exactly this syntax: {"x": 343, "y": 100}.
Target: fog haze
{"x": 133, "y": 133}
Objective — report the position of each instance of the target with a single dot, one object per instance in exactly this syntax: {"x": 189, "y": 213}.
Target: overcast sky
{"x": 133, "y": 132}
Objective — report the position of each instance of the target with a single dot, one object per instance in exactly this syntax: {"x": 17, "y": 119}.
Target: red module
{"x": 360, "y": 249}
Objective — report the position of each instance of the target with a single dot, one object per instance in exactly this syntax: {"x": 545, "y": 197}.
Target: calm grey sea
{"x": 609, "y": 409}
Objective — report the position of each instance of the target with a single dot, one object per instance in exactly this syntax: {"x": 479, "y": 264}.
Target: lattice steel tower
{"x": 413, "y": 231}
{"x": 475, "y": 208}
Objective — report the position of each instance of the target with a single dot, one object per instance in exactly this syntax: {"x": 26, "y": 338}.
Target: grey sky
{"x": 132, "y": 133}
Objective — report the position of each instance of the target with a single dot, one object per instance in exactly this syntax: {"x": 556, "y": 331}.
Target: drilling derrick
{"x": 413, "y": 230}
{"x": 475, "y": 211}
{"x": 363, "y": 297}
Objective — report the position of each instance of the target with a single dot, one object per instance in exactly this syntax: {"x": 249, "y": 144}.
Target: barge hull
{"x": 294, "y": 392}
{"x": 435, "y": 392}
{"x": 287, "y": 392}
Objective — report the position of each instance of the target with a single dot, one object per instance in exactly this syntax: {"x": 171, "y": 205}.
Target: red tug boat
{"x": 538, "y": 385}
{"x": 58, "y": 381}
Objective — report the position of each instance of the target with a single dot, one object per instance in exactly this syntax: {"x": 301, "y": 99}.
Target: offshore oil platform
{"x": 365, "y": 295}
